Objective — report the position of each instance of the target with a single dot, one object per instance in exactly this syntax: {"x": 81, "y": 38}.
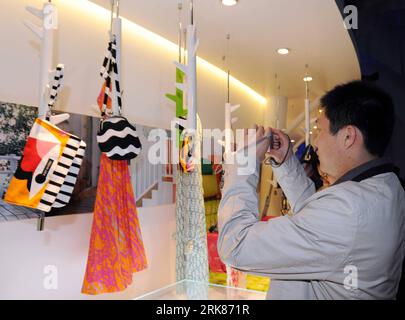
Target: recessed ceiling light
{"x": 283, "y": 51}
{"x": 229, "y": 3}
{"x": 308, "y": 79}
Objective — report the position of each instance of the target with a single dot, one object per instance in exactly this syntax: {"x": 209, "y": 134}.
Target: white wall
{"x": 24, "y": 252}
{"x": 147, "y": 74}
{"x": 147, "y": 69}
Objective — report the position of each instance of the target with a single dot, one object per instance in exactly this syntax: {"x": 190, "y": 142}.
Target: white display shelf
{"x": 193, "y": 290}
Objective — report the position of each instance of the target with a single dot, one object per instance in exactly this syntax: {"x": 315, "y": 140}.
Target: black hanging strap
{"x": 108, "y": 69}
{"x": 56, "y": 84}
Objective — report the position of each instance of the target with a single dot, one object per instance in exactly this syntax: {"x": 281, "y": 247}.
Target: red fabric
{"x": 116, "y": 248}
{"x": 267, "y": 218}
{"x": 214, "y": 261}
{"x": 100, "y": 98}
{"x": 31, "y": 158}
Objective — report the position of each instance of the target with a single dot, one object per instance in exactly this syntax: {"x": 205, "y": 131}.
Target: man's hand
{"x": 281, "y": 146}
{"x": 263, "y": 146}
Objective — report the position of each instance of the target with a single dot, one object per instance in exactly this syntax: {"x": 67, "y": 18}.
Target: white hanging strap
{"x": 56, "y": 84}
{"x": 115, "y": 9}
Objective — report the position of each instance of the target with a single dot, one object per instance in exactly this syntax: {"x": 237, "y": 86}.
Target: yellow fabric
{"x": 210, "y": 186}
{"x": 211, "y": 220}
{"x": 211, "y": 213}
{"x": 253, "y": 282}
{"x": 211, "y": 207}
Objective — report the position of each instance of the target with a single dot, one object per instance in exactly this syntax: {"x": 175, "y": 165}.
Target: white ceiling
{"x": 313, "y": 29}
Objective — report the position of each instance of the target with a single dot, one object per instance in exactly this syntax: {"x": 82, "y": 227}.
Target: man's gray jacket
{"x": 344, "y": 242}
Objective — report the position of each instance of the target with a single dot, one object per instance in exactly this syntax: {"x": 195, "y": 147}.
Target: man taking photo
{"x": 343, "y": 242}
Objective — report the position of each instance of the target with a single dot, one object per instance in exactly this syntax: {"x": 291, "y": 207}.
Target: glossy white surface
{"x": 193, "y": 290}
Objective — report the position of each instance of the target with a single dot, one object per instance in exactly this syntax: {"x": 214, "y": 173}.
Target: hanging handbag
{"x": 50, "y": 164}
{"x": 48, "y": 168}
{"x": 117, "y": 138}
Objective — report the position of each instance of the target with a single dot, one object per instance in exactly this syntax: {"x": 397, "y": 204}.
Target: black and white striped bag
{"x": 50, "y": 164}
{"x": 116, "y": 137}
{"x": 66, "y": 188}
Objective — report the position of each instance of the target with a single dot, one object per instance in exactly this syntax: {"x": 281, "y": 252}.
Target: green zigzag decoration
{"x": 178, "y": 99}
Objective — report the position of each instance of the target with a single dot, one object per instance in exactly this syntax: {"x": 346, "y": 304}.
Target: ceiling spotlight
{"x": 283, "y": 51}
{"x": 308, "y": 79}
{"x": 229, "y": 3}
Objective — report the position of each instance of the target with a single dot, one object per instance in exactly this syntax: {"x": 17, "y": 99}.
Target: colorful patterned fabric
{"x": 215, "y": 262}
{"x": 187, "y": 152}
{"x": 236, "y": 278}
{"x": 107, "y": 107}
{"x": 191, "y": 235}
{"x": 45, "y": 175}
{"x": 183, "y": 142}
{"x": 116, "y": 248}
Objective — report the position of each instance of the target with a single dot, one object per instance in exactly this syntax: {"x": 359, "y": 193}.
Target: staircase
{"x": 153, "y": 184}
{"x": 160, "y": 194}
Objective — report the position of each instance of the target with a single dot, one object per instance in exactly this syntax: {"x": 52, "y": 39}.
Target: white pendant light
{"x": 283, "y": 51}
{"x": 229, "y": 3}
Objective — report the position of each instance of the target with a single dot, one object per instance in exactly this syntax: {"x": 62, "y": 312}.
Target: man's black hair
{"x": 365, "y": 106}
